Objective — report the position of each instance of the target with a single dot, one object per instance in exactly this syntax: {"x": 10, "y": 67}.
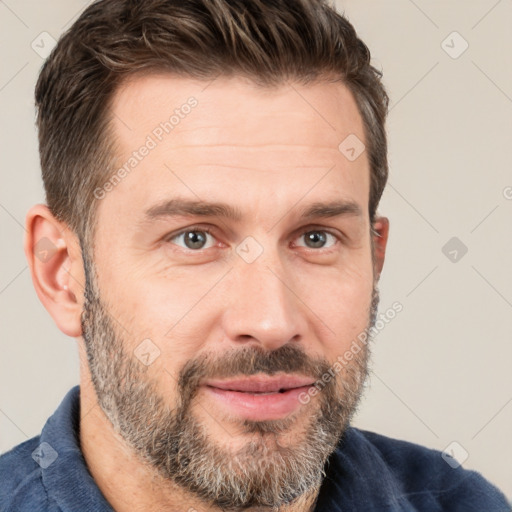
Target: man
{"x": 213, "y": 170}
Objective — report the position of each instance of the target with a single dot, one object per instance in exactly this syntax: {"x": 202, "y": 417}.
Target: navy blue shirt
{"x": 367, "y": 472}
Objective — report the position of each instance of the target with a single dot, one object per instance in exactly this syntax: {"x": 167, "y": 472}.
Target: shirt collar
{"x": 357, "y": 478}
{"x": 67, "y": 480}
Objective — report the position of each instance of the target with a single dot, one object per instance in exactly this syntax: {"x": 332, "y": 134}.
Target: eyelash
{"x": 206, "y": 229}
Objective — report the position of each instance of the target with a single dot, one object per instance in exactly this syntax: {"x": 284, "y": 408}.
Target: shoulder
{"x": 425, "y": 475}
{"x": 21, "y": 487}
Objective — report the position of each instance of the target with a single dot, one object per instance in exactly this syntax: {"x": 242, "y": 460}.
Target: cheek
{"x": 341, "y": 301}
{"x": 175, "y": 311}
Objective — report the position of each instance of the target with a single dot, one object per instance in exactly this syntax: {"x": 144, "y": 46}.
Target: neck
{"x": 131, "y": 485}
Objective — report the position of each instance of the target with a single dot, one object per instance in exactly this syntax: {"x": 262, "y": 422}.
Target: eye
{"x": 318, "y": 239}
{"x": 193, "y": 239}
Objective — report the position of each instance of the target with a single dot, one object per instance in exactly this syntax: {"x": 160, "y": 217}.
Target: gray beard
{"x": 263, "y": 473}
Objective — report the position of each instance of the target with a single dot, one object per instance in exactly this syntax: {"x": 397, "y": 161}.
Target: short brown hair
{"x": 268, "y": 41}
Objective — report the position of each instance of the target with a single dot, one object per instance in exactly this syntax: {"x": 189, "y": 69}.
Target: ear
{"x": 55, "y": 260}
{"x": 380, "y": 240}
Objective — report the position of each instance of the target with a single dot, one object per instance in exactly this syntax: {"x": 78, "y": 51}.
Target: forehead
{"x": 235, "y": 109}
{"x": 212, "y": 139}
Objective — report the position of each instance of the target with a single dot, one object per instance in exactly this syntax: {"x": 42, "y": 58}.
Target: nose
{"x": 263, "y": 307}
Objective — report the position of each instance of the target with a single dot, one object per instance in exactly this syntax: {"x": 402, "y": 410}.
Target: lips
{"x": 261, "y": 384}
{"x": 257, "y": 397}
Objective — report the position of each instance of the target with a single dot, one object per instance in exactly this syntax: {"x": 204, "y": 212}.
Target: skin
{"x": 268, "y": 152}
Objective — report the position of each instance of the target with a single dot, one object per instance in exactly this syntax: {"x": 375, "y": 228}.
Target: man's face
{"x": 192, "y": 313}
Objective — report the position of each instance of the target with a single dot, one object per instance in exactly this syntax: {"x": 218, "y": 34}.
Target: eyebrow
{"x": 177, "y": 207}
{"x": 187, "y": 207}
{"x": 331, "y": 209}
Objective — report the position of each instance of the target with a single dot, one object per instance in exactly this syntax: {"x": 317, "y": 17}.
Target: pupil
{"x": 316, "y": 239}
{"x": 195, "y": 239}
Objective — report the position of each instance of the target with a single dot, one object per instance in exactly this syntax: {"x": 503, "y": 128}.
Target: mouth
{"x": 259, "y": 397}
{"x": 262, "y": 384}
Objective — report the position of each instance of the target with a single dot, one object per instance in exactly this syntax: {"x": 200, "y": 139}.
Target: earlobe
{"x": 380, "y": 239}
{"x": 54, "y": 257}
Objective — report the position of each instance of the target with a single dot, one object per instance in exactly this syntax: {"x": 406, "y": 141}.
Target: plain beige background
{"x": 442, "y": 366}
